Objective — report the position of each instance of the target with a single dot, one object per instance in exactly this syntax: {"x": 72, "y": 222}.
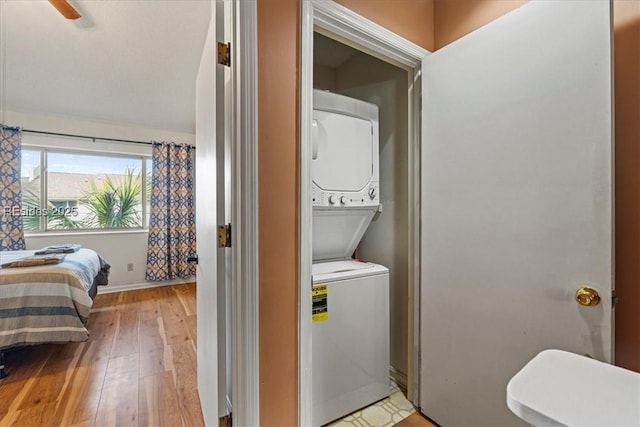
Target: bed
{"x": 48, "y": 303}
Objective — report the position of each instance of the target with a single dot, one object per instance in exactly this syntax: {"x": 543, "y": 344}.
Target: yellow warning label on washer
{"x": 319, "y": 309}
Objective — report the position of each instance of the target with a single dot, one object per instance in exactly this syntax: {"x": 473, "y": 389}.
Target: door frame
{"x": 240, "y": 126}
{"x": 338, "y": 22}
{"x": 244, "y": 214}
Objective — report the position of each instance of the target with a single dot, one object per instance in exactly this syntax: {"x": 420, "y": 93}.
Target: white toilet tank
{"x": 558, "y": 388}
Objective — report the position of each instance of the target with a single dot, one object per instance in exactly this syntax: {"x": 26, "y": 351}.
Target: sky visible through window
{"x": 77, "y": 163}
{"x": 30, "y": 159}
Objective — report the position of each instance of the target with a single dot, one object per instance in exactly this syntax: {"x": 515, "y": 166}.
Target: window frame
{"x": 44, "y": 170}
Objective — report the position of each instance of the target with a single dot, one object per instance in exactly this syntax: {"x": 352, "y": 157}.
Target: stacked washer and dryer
{"x": 350, "y": 330}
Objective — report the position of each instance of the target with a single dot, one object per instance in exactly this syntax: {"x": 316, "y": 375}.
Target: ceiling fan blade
{"x": 65, "y": 9}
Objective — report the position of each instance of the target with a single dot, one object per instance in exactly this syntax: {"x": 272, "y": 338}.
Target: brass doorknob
{"x": 587, "y": 296}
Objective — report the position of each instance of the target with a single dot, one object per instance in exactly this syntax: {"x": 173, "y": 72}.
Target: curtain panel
{"x": 172, "y": 232}
{"x": 11, "y": 226}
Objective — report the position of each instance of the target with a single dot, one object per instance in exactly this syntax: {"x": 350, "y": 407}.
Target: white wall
{"x": 386, "y": 242}
{"x": 119, "y": 248}
{"x": 79, "y": 126}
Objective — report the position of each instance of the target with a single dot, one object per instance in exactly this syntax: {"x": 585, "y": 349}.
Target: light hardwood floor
{"x": 138, "y": 367}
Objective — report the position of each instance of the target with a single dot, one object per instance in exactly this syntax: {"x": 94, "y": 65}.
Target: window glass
{"x": 88, "y": 191}
{"x": 31, "y": 181}
{"x": 84, "y": 190}
{"x": 149, "y": 170}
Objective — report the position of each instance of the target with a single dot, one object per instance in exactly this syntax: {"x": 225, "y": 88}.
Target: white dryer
{"x": 345, "y": 173}
{"x": 350, "y": 330}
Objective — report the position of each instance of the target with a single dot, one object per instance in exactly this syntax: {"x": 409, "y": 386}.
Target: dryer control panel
{"x": 370, "y": 196}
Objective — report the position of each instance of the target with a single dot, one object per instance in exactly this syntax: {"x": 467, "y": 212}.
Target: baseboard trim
{"x": 144, "y": 285}
{"x": 400, "y": 378}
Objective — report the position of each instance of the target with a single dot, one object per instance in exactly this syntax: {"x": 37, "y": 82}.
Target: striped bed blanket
{"x": 48, "y": 303}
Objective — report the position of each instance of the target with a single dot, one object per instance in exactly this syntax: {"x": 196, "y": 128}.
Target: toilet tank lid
{"x": 559, "y": 388}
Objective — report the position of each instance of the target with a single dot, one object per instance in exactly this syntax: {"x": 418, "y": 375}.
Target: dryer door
{"x": 342, "y": 152}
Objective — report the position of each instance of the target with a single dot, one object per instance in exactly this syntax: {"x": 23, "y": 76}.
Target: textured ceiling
{"x": 125, "y": 61}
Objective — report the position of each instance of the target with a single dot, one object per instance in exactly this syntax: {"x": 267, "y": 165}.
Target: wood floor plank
{"x": 119, "y": 398}
{"x": 80, "y": 396}
{"x": 155, "y": 353}
{"x": 192, "y": 322}
{"x": 155, "y": 361}
{"x": 50, "y": 383}
{"x": 185, "y": 362}
{"x": 110, "y": 301}
{"x": 66, "y": 351}
{"x": 35, "y": 416}
{"x": 144, "y": 301}
{"x": 152, "y": 334}
{"x": 23, "y": 367}
{"x": 102, "y": 325}
{"x": 158, "y": 401}
{"x": 187, "y": 295}
{"x": 125, "y": 341}
{"x": 174, "y": 318}
{"x": 415, "y": 420}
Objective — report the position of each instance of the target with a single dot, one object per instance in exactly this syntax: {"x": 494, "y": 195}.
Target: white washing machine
{"x": 351, "y": 339}
{"x": 350, "y": 330}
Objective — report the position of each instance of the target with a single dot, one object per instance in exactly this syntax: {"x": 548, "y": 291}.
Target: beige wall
{"x": 386, "y": 241}
{"x": 278, "y": 118}
{"x": 324, "y": 78}
{"x": 626, "y": 14}
{"x": 412, "y": 19}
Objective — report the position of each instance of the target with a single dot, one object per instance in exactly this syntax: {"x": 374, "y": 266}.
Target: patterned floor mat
{"x": 384, "y": 413}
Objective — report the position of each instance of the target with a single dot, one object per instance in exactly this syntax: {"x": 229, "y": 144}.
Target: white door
{"x": 516, "y": 203}
{"x": 212, "y": 209}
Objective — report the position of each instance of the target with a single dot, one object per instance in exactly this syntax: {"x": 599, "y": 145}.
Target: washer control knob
{"x": 372, "y": 192}
{"x": 343, "y": 200}
{"x": 332, "y": 200}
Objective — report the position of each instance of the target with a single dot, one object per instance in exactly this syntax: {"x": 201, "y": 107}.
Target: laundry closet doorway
{"x": 390, "y": 80}
{"x": 345, "y": 70}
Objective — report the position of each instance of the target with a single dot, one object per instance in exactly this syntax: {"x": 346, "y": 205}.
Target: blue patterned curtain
{"x": 11, "y": 231}
{"x": 172, "y": 230}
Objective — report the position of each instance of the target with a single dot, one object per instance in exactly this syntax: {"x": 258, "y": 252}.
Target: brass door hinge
{"x": 224, "y": 236}
{"x": 224, "y": 54}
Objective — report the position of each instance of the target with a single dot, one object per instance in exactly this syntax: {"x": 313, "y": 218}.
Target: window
{"x": 74, "y": 190}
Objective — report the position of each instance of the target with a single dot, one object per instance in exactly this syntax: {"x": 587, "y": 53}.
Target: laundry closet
{"x": 377, "y": 92}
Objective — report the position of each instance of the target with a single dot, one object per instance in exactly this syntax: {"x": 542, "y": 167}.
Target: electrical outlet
{"x": 130, "y": 267}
